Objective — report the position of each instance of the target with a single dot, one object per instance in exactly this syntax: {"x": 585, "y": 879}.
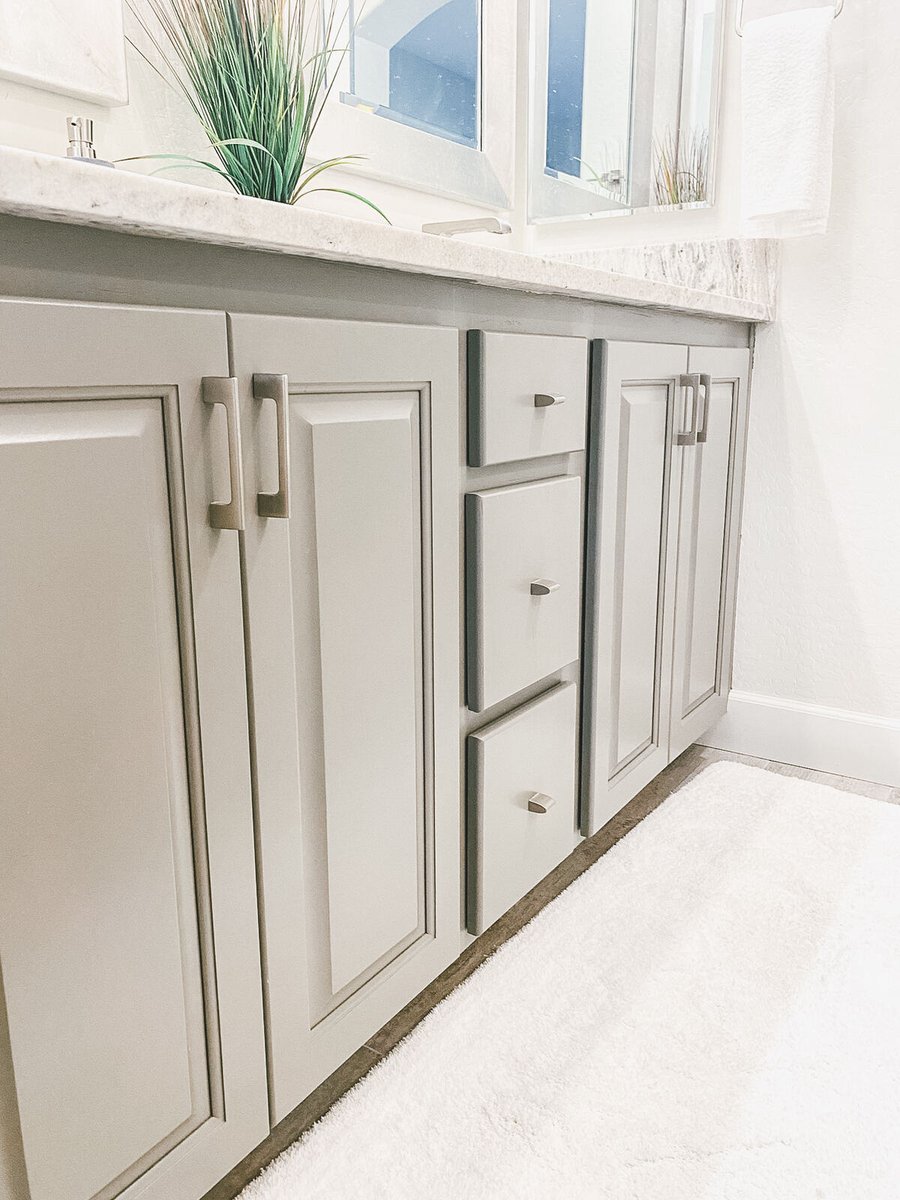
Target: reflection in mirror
{"x": 623, "y": 107}
{"x": 581, "y": 106}
{"x": 687, "y": 44}
{"x": 589, "y": 56}
{"x": 418, "y": 62}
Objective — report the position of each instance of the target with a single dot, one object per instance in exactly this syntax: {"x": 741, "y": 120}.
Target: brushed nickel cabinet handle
{"x": 688, "y": 437}
{"x": 275, "y": 387}
{"x": 543, "y": 587}
{"x": 548, "y": 400}
{"x": 223, "y": 390}
{"x": 539, "y": 803}
{"x": 706, "y": 385}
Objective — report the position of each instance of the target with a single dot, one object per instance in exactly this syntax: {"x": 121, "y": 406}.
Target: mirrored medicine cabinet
{"x": 623, "y": 102}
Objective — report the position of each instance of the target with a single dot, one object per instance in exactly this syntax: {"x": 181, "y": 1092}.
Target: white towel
{"x": 787, "y": 101}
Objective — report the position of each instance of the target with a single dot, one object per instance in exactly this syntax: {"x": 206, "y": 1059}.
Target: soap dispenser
{"x": 81, "y": 141}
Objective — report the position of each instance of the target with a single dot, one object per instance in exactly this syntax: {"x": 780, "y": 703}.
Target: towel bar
{"x": 739, "y": 15}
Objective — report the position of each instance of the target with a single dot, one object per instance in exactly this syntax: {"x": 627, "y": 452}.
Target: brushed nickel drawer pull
{"x": 543, "y": 587}
{"x": 223, "y": 390}
{"x": 539, "y": 803}
{"x": 275, "y": 387}
{"x": 548, "y": 400}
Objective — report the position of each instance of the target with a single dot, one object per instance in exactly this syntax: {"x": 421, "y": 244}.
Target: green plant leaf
{"x": 354, "y": 195}
{"x": 257, "y": 74}
{"x": 182, "y": 161}
{"x": 327, "y": 165}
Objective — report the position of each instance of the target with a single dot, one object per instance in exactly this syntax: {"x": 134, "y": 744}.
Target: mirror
{"x": 623, "y": 105}
{"x": 419, "y": 63}
{"x": 581, "y": 106}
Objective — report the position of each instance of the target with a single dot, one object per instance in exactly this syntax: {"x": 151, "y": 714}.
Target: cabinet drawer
{"x": 527, "y": 396}
{"x": 522, "y": 801}
{"x": 523, "y": 575}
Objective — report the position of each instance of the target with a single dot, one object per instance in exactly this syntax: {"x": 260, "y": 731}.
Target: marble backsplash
{"x": 741, "y": 268}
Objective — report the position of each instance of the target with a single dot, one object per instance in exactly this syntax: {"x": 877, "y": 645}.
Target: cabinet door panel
{"x": 356, "y": 543}
{"x": 90, "y": 594}
{"x": 635, "y": 406}
{"x": 640, "y": 544}
{"x": 353, "y": 624}
{"x": 126, "y": 1038}
{"x": 709, "y": 530}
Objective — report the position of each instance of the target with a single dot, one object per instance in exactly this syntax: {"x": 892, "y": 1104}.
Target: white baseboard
{"x": 823, "y": 739}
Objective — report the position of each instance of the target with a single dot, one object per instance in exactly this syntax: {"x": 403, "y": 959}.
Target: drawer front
{"x": 522, "y": 803}
{"x": 523, "y": 575}
{"x": 527, "y": 396}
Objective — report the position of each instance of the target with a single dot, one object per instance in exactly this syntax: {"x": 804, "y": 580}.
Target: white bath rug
{"x": 711, "y": 1012}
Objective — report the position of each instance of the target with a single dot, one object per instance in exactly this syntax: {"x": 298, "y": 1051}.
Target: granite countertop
{"x": 48, "y": 188}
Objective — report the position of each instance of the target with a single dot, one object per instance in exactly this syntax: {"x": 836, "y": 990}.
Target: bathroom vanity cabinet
{"x": 333, "y": 616}
{"x": 667, "y": 448}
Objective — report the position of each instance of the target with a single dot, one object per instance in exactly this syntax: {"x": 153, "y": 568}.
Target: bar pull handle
{"x": 688, "y": 437}
{"x": 706, "y": 385}
{"x": 539, "y": 803}
{"x": 543, "y": 587}
{"x": 548, "y": 400}
{"x": 275, "y": 387}
{"x": 223, "y": 390}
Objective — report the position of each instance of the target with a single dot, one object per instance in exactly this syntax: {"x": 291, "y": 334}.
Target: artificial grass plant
{"x": 682, "y": 168}
{"x": 257, "y": 74}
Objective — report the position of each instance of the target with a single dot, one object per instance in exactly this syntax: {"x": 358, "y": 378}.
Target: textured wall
{"x": 819, "y": 597}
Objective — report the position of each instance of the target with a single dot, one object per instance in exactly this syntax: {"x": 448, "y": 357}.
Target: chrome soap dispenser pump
{"x": 81, "y": 141}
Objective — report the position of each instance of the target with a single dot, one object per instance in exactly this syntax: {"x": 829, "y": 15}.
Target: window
{"x": 418, "y": 62}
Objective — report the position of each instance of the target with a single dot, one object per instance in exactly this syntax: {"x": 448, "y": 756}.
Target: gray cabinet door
{"x": 709, "y": 501}
{"x": 132, "y": 1058}
{"x": 637, "y": 411}
{"x": 353, "y": 627}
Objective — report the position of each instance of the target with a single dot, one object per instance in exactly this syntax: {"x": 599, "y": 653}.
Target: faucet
{"x": 474, "y": 225}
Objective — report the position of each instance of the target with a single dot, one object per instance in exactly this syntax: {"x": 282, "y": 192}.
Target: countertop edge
{"x": 46, "y": 188}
